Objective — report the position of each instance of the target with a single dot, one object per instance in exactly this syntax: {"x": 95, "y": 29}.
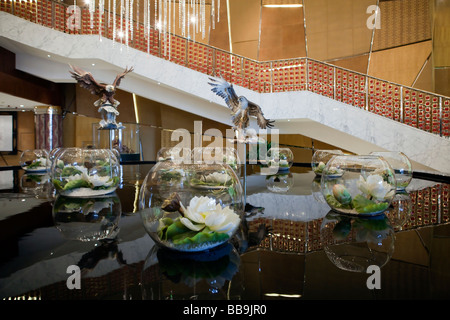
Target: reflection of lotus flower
{"x": 218, "y": 177}
{"x": 341, "y": 194}
{"x": 203, "y": 211}
{"x": 375, "y": 187}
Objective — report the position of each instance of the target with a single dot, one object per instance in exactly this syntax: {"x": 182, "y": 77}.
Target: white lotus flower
{"x": 217, "y": 177}
{"x": 204, "y": 212}
{"x": 97, "y": 180}
{"x": 375, "y": 186}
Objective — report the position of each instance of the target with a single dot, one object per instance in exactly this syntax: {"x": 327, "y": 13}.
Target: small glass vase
{"x": 320, "y": 159}
{"x": 79, "y": 172}
{"x": 224, "y": 155}
{"x": 366, "y": 185}
{"x": 191, "y": 207}
{"x": 281, "y": 158}
{"x": 36, "y": 160}
{"x": 400, "y": 164}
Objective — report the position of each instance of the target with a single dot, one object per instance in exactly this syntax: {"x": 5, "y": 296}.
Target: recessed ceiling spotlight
{"x": 93, "y": 64}
{"x": 49, "y": 56}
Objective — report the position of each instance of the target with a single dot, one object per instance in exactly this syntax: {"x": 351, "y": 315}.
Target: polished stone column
{"x": 48, "y": 126}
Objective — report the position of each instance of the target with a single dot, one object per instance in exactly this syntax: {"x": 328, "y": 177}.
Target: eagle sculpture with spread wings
{"x": 241, "y": 107}
{"x": 106, "y": 91}
{"x": 107, "y": 104}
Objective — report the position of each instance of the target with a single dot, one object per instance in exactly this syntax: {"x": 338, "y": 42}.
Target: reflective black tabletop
{"x": 290, "y": 246}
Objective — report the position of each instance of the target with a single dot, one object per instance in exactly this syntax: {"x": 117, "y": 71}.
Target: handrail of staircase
{"x": 415, "y": 107}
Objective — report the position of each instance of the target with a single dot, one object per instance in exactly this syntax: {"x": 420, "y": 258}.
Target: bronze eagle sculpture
{"x": 241, "y": 107}
{"x": 106, "y": 91}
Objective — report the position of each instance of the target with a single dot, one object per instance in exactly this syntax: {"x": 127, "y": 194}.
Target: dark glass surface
{"x": 292, "y": 248}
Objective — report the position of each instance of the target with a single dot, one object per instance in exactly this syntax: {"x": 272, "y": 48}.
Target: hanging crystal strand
{"x": 121, "y": 23}
{"x": 109, "y": 14}
{"x": 203, "y": 19}
{"x": 218, "y": 10}
{"x": 145, "y": 16}
{"x": 148, "y": 25}
{"x": 188, "y": 19}
{"x": 131, "y": 20}
{"x": 194, "y": 15}
{"x": 101, "y": 9}
{"x": 156, "y": 15}
{"x": 165, "y": 26}
{"x": 91, "y": 6}
{"x": 114, "y": 22}
{"x": 127, "y": 19}
{"x": 169, "y": 21}
{"x": 213, "y": 14}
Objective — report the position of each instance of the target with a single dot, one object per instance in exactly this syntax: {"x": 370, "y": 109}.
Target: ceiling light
{"x": 282, "y": 3}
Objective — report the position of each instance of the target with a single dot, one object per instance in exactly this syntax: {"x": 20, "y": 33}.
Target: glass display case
{"x": 125, "y": 140}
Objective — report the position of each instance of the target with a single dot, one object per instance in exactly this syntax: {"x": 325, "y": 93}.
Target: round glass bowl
{"x": 365, "y": 185}
{"x": 281, "y": 158}
{"x": 355, "y": 243}
{"x": 191, "y": 207}
{"x": 320, "y": 159}
{"x": 173, "y": 153}
{"x": 79, "y": 172}
{"x": 280, "y": 182}
{"x": 87, "y": 219}
{"x": 400, "y": 164}
{"x": 226, "y": 155}
{"x": 36, "y": 160}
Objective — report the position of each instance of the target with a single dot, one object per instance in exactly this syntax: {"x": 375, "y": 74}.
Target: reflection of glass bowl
{"x": 401, "y": 166}
{"x": 87, "y": 219}
{"x": 399, "y": 212}
{"x": 191, "y": 207}
{"x": 355, "y": 243}
{"x": 37, "y": 183}
{"x": 79, "y": 172}
{"x": 199, "y": 275}
{"x": 34, "y": 160}
{"x": 280, "y": 182}
{"x": 320, "y": 159}
{"x": 366, "y": 186}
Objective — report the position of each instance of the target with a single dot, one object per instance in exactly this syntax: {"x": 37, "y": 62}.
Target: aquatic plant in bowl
{"x": 283, "y": 158}
{"x": 320, "y": 159}
{"x": 366, "y": 187}
{"x": 36, "y": 160}
{"x": 79, "y": 172}
{"x": 401, "y": 165}
{"x": 201, "y": 211}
